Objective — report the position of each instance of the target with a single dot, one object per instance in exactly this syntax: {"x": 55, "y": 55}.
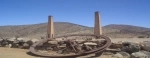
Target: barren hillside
{"x": 62, "y": 28}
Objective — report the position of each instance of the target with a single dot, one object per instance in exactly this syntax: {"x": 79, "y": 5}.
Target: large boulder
{"x": 130, "y": 47}
{"x": 146, "y": 45}
{"x": 34, "y": 40}
{"x": 118, "y": 55}
{"x": 90, "y": 43}
{"x": 20, "y": 39}
{"x": 116, "y": 45}
{"x": 53, "y": 42}
{"x": 122, "y": 55}
{"x": 25, "y": 40}
{"x": 26, "y": 45}
{"x": 126, "y": 43}
{"x": 4, "y": 42}
{"x": 140, "y": 54}
{"x": 12, "y": 39}
{"x": 147, "y": 53}
{"x": 1, "y": 39}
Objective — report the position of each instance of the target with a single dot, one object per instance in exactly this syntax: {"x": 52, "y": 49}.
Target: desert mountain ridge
{"x": 64, "y": 28}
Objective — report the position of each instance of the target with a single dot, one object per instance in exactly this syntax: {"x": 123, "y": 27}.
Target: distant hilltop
{"x": 62, "y": 28}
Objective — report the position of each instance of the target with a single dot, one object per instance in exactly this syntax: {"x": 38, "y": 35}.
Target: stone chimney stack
{"x": 50, "y": 29}
{"x": 97, "y": 26}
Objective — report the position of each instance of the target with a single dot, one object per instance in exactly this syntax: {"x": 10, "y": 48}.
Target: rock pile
{"x": 17, "y": 42}
{"x": 127, "y": 49}
{"x": 132, "y": 50}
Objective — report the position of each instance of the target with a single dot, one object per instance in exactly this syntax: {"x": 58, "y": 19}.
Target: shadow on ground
{"x": 31, "y": 54}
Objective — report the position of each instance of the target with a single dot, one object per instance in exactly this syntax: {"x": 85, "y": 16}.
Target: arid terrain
{"x": 22, "y": 53}
{"x": 61, "y": 28}
{"x": 125, "y": 33}
{"x": 14, "y": 53}
{"x": 17, "y": 53}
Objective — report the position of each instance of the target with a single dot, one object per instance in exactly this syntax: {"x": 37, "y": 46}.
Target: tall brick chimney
{"x": 97, "y": 26}
{"x": 50, "y": 29}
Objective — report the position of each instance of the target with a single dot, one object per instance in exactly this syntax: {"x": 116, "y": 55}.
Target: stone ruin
{"x": 118, "y": 49}
{"x": 74, "y": 46}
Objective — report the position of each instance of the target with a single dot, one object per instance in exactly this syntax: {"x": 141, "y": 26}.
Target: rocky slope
{"x": 61, "y": 28}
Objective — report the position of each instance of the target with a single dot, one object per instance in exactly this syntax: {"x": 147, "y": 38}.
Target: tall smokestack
{"x": 50, "y": 29}
{"x": 97, "y": 26}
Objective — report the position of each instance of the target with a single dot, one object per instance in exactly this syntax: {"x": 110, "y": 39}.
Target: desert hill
{"x": 62, "y": 28}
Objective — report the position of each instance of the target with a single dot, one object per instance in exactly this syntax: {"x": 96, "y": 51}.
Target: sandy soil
{"x": 14, "y": 53}
{"x": 22, "y": 53}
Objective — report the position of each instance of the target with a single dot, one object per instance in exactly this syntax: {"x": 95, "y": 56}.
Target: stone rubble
{"x": 132, "y": 50}
{"x": 126, "y": 49}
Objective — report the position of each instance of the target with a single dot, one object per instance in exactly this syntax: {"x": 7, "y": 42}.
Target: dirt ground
{"x": 22, "y": 53}
{"x": 14, "y": 53}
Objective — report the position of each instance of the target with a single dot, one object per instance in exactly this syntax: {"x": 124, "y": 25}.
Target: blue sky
{"x": 130, "y": 12}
